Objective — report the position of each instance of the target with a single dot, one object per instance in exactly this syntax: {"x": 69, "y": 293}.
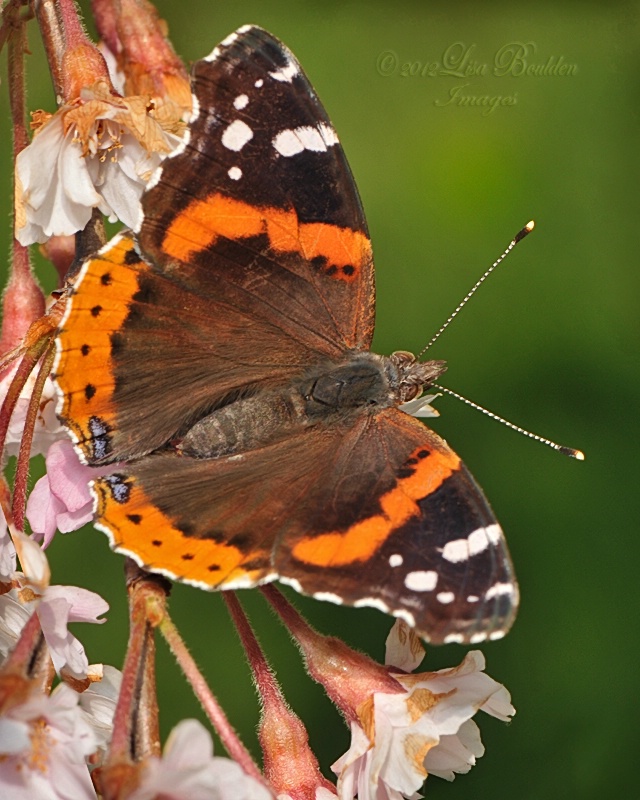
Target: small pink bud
{"x": 137, "y": 37}
{"x": 23, "y": 301}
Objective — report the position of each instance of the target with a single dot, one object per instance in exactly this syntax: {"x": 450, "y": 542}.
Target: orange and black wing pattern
{"x": 381, "y": 513}
{"x": 249, "y": 284}
{"x": 252, "y": 262}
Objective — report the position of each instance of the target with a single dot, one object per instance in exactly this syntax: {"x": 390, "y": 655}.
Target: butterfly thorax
{"x": 325, "y": 394}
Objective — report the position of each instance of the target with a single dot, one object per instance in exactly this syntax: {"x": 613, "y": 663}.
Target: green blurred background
{"x": 549, "y": 343}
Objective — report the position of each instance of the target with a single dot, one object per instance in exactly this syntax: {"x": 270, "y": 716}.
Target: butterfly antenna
{"x": 517, "y": 238}
{"x": 566, "y": 451}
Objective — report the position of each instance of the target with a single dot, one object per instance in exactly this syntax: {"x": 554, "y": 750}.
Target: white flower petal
{"x": 455, "y": 754}
{"x": 58, "y": 194}
{"x": 427, "y": 728}
{"x": 32, "y": 560}
{"x": 403, "y": 648}
{"x": 56, "y": 607}
{"x": 189, "y": 744}
{"x": 76, "y": 188}
{"x": 322, "y": 793}
{"x": 13, "y": 617}
{"x": 47, "y": 429}
{"x": 14, "y": 736}
{"x": 84, "y": 605}
{"x": 98, "y": 704}
{"x": 7, "y": 552}
{"x": 121, "y": 194}
{"x": 499, "y": 705}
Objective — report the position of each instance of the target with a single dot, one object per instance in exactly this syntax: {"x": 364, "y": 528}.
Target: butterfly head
{"x": 408, "y": 377}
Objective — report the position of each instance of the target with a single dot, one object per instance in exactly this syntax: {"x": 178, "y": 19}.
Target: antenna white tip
{"x": 566, "y": 451}
{"x": 577, "y": 454}
{"x": 524, "y": 232}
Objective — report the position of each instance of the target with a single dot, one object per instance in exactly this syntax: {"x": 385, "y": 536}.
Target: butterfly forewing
{"x": 261, "y": 204}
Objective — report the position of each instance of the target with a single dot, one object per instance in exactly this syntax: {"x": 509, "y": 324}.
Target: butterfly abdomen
{"x": 245, "y": 424}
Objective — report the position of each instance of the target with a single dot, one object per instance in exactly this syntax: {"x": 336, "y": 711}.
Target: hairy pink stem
{"x": 209, "y": 703}
{"x": 24, "y": 453}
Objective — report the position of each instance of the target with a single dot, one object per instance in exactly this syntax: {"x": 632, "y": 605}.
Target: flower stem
{"x": 289, "y": 763}
{"x": 135, "y": 724}
{"x": 23, "y": 301}
{"x": 209, "y": 703}
{"x": 262, "y": 673}
{"x": 25, "y": 368}
{"x": 53, "y": 38}
{"x": 24, "y": 453}
{"x": 345, "y": 674}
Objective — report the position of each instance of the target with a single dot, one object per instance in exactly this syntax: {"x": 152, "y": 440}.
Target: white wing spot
{"x": 328, "y": 134}
{"x": 259, "y": 83}
{"x": 478, "y": 541}
{"x": 230, "y": 39}
{"x": 421, "y": 580}
{"x": 240, "y": 102}
{"x": 494, "y": 532}
{"x": 371, "y": 602}
{"x": 472, "y": 598}
{"x": 290, "y": 142}
{"x": 291, "y": 582}
{"x": 499, "y": 589}
{"x": 458, "y": 638}
{"x": 287, "y": 143}
{"x": 476, "y": 638}
{"x": 395, "y": 560}
{"x": 287, "y": 73}
{"x": 445, "y": 597}
{"x": 235, "y": 173}
{"x": 456, "y": 551}
{"x": 236, "y": 135}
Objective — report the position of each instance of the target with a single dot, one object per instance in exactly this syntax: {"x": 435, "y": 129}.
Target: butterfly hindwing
{"x": 383, "y": 514}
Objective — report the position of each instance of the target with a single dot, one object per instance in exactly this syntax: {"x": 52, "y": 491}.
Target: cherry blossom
{"x": 44, "y": 742}
{"x": 56, "y": 607}
{"x": 188, "y": 770}
{"x": 98, "y": 152}
{"x": 61, "y": 499}
{"x": 399, "y": 739}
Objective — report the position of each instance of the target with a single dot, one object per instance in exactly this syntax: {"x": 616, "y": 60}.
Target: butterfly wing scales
{"x": 139, "y": 356}
{"x": 364, "y": 520}
{"x": 241, "y": 282}
{"x": 285, "y": 221}
{"x": 252, "y": 263}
